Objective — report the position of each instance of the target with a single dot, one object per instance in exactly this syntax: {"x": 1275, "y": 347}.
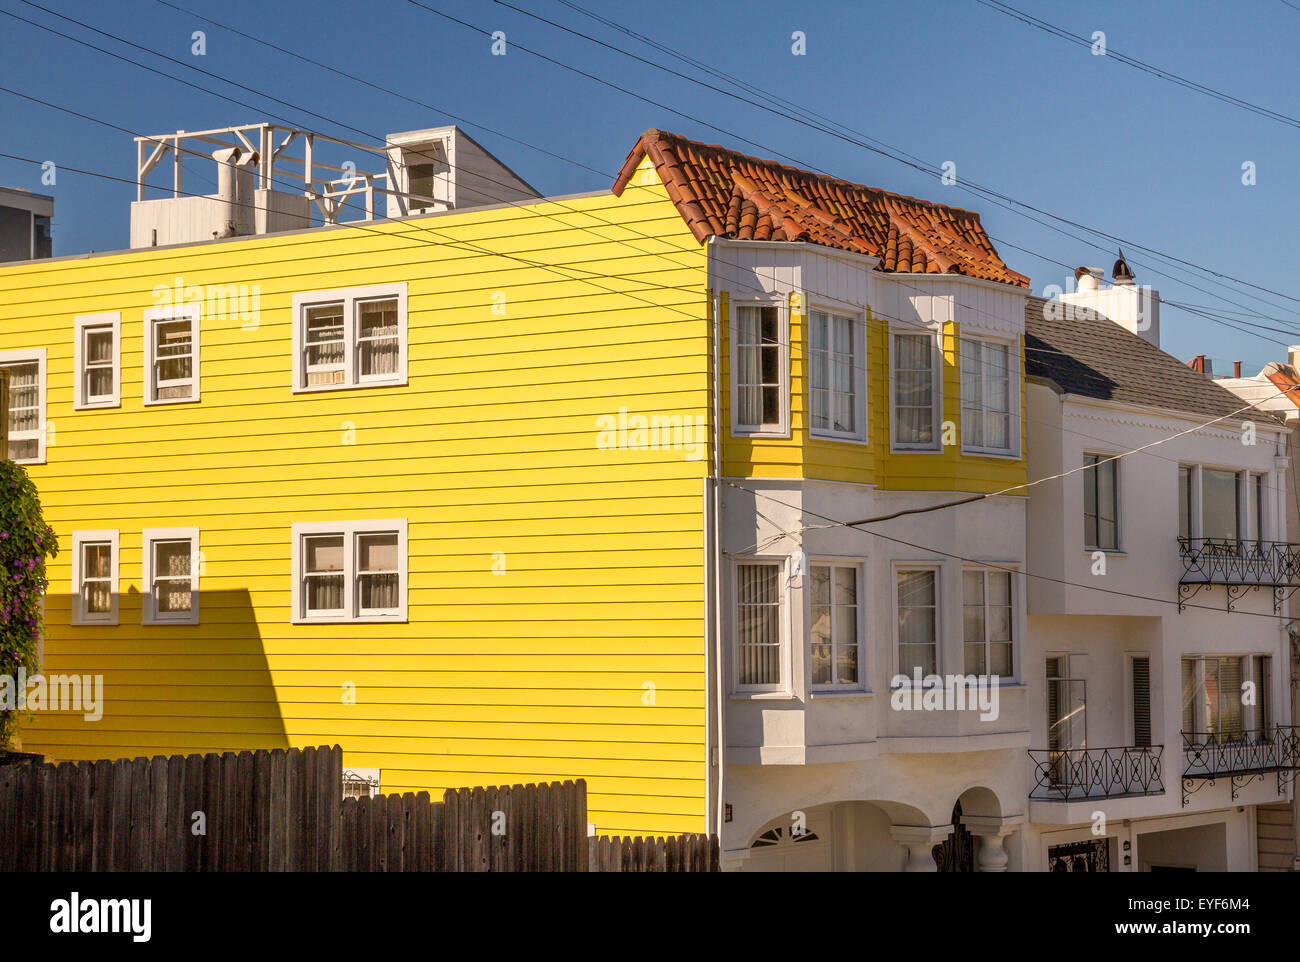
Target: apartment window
{"x": 170, "y": 576}
{"x": 1140, "y": 688}
{"x": 1186, "y": 500}
{"x": 837, "y": 376}
{"x": 171, "y": 355}
{"x": 1101, "y": 502}
{"x": 918, "y": 621}
{"x": 1067, "y": 711}
{"x": 97, "y": 360}
{"x": 94, "y": 577}
{"x": 986, "y": 622}
{"x": 987, "y": 424}
{"x": 761, "y": 395}
{"x": 915, "y": 410}
{"x": 833, "y": 625}
{"x": 758, "y": 626}
{"x": 350, "y": 338}
{"x": 1221, "y": 493}
{"x": 1213, "y": 694}
{"x": 350, "y": 571}
{"x": 1258, "y": 495}
{"x": 26, "y": 404}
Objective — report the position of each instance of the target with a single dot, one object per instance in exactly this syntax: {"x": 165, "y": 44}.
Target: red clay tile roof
{"x": 723, "y": 193}
{"x": 1284, "y": 379}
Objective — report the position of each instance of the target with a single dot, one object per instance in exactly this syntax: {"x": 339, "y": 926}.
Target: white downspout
{"x": 718, "y": 660}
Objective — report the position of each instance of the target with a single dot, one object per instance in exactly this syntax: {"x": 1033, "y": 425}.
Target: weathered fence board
{"x": 677, "y": 853}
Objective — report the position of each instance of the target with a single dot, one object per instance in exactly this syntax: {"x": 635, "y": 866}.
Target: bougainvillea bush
{"x": 26, "y": 541}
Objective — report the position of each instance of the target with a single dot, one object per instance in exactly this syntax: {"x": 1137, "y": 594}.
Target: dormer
{"x": 443, "y": 168}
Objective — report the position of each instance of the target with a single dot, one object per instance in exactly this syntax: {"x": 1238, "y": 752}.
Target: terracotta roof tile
{"x": 721, "y": 192}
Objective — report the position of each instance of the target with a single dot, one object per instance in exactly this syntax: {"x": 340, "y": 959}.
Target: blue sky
{"x": 1017, "y": 110}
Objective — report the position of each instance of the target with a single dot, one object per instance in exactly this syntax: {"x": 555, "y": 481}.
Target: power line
{"x": 832, "y": 522}
{"x": 1142, "y": 65}
{"x": 884, "y": 149}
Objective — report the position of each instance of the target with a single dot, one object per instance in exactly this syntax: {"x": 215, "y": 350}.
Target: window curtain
{"x": 758, "y": 628}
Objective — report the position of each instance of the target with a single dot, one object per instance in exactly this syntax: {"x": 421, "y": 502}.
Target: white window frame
{"x": 1012, "y": 571}
{"x": 83, "y": 323}
{"x": 936, "y": 391}
{"x": 1116, "y": 465}
{"x": 148, "y": 613}
{"x": 79, "y": 539}
{"x": 350, "y": 299}
{"x": 152, "y": 317}
{"x": 858, "y": 566}
{"x": 903, "y": 567}
{"x": 1013, "y": 397}
{"x": 782, "y": 429}
{"x": 28, "y": 356}
{"x": 858, "y": 327}
{"x": 782, "y": 687}
{"x": 350, "y": 532}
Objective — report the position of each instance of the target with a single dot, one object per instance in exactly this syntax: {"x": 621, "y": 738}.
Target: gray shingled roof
{"x": 1097, "y": 358}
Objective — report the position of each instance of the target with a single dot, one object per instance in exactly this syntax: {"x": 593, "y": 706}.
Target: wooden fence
{"x": 674, "y": 853}
{"x": 281, "y": 811}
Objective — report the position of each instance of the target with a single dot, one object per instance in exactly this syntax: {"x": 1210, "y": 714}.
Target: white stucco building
{"x": 1159, "y": 707}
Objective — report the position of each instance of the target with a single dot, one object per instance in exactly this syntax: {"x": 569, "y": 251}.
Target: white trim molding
{"x": 149, "y": 614}
{"x": 79, "y": 615}
{"x": 13, "y": 358}
{"x": 152, "y": 317}
{"x": 350, "y": 532}
{"x": 348, "y": 300}
{"x": 780, "y": 429}
{"x": 82, "y": 324}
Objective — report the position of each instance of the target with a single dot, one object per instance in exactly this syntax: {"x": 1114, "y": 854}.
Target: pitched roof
{"x": 1092, "y": 356}
{"x": 724, "y": 193}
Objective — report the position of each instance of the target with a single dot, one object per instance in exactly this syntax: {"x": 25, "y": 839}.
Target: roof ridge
{"x": 809, "y": 173}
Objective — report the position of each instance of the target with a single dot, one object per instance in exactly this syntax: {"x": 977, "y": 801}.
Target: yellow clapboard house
{"x": 435, "y": 486}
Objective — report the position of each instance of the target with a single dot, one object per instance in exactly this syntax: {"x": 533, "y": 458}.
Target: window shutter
{"x": 1142, "y": 702}
{"x": 1189, "y": 695}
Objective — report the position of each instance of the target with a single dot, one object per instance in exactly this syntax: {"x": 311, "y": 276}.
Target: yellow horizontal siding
{"x": 529, "y": 675}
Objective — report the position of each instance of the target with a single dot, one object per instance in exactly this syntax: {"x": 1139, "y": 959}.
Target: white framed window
{"x": 988, "y": 619}
{"x": 835, "y": 625}
{"x": 916, "y": 602}
{"x": 760, "y": 370}
{"x": 915, "y": 391}
{"x": 348, "y": 338}
{"x": 837, "y": 376}
{"x": 760, "y": 633}
{"x": 94, "y": 577}
{"x": 170, "y": 576}
{"x": 1101, "y": 502}
{"x": 989, "y": 397}
{"x": 349, "y": 571}
{"x": 171, "y": 354}
{"x": 97, "y": 361}
{"x": 26, "y": 404}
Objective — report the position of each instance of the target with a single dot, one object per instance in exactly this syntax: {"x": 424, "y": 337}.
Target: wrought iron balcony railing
{"x": 1239, "y": 565}
{"x": 1240, "y": 755}
{"x": 1079, "y": 773}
